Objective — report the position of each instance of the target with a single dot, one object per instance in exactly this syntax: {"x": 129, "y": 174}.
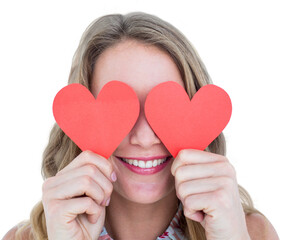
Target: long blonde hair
{"x": 101, "y": 34}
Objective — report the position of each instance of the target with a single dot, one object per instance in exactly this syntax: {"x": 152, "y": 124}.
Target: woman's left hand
{"x": 207, "y": 187}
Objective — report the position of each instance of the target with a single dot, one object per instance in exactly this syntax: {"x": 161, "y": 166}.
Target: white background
{"x": 245, "y": 45}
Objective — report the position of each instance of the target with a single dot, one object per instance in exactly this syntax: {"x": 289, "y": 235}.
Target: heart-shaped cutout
{"x": 98, "y": 124}
{"x": 182, "y": 123}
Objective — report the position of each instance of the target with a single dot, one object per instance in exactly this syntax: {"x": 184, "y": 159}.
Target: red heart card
{"x": 182, "y": 123}
{"x": 98, "y": 124}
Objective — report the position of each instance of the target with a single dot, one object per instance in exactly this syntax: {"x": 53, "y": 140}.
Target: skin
{"x": 203, "y": 181}
{"x": 141, "y": 207}
{"x": 142, "y": 68}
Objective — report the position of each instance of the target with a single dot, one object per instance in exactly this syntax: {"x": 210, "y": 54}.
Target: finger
{"x": 195, "y": 206}
{"x": 80, "y": 186}
{"x": 193, "y": 156}
{"x": 75, "y": 206}
{"x": 93, "y": 218}
{"x": 213, "y": 204}
{"x": 87, "y": 170}
{"x": 88, "y": 157}
{"x": 204, "y": 170}
{"x": 198, "y": 216}
{"x": 204, "y": 185}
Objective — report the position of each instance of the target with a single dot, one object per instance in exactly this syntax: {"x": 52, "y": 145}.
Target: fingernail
{"x": 113, "y": 176}
{"x": 108, "y": 201}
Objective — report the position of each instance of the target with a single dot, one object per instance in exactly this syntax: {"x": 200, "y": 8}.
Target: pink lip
{"x": 146, "y": 158}
{"x": 145, "y": 171}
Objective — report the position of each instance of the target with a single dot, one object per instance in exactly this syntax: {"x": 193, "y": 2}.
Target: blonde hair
{"x": 101, "y": 34}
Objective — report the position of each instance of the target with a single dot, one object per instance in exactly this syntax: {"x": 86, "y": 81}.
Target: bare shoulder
{"x": 10, "y": 235}
{"x": 259, "y": 227}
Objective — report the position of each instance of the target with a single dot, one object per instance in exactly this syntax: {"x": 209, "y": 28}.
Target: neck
{"x": 131, "y": 220}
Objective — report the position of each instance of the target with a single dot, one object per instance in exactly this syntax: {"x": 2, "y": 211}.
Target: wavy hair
{"x": 101, "y": 34}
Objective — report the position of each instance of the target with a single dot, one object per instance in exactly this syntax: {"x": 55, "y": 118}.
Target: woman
{"x": 85, "y": 196}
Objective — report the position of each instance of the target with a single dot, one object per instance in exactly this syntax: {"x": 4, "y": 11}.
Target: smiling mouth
{"x": 144, "y": 163}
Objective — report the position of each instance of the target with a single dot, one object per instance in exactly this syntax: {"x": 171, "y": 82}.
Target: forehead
{"x": 140, "y": 66}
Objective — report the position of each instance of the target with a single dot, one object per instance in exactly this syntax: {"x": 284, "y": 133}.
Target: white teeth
{"x": 149, "y": 164}
{"x": 141, "y": 164}
{"x": 144, "y": 164}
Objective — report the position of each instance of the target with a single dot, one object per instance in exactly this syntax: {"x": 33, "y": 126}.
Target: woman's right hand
{"x": 74, "y": 200}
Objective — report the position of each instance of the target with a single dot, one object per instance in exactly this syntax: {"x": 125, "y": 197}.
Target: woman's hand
{"x": 207, "y": 187}
{"x": 74, "y": 200}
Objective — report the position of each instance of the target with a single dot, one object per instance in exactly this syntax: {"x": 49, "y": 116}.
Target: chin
{"x": 145, "y": 193}
{"x": 144, "y": 189}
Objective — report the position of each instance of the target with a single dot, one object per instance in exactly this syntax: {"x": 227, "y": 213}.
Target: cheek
{"x": 123, "y": 144}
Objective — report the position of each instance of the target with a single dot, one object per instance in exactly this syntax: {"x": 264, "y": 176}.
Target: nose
{"x": 142, "y": 133}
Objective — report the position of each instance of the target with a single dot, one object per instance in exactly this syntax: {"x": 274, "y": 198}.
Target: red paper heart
{"x": 183, "y": 124}
{"x": 98, "y": 124}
